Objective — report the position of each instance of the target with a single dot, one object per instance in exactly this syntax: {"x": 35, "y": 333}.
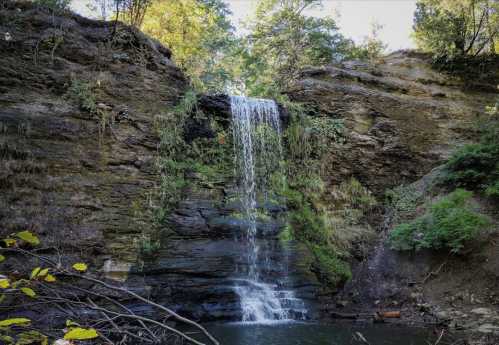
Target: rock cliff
{"x": 403, "y": 117}
{"x": 77, "y": 142}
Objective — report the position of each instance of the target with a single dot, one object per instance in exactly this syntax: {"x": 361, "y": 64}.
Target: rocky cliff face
{"x": 77, "y": 141}
{"x": 78, "y": 151}
{"x": 403, "y": 117}
{"x": 403, "y": 120}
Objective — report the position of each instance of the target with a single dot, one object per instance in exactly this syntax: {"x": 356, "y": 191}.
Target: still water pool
{"x": 318, "y": 334}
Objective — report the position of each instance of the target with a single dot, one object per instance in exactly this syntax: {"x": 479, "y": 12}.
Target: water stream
{"x": 258, "y": 155}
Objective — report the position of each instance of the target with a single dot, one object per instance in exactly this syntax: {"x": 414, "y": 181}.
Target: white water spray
{"x": 258, "y": 154}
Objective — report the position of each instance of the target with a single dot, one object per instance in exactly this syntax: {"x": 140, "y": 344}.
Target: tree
{"x": 199, "y": 35}
{"x": 283, "y": 40}
{"x": 457, "y": 28}
{"x": 372, "y": 47}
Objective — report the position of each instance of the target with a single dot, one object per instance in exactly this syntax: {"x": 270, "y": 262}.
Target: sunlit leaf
{"x": 28, "y": 292}
{"x": 49, "y": 278}
{"x": 2, "y": 258}
{"x": 35, "y": 272}
{"x": 29, "y": 237}
{"x": 81, "y": 334}
{"x": 43, "y": 273}
{"x": 9, "y": 242}
{"x": 4, "y": 283}
{"x": 15, "y": 321}
{"x": 80, "y": 266}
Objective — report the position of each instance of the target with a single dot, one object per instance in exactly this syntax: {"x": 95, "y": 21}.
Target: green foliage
{"x": 404, "y": 200}
{"x": 356, "y": 195}
{"x": 82, "y": 93}
{"x": 148, "y": 246}
{"x": 56, "y": 5}
{"x": 309, "y": 138}
{"x": 332, "y": 270}
{"x": 476, "y": 166}
{"x": 200, "y": 36}
{"x": 449, "y": 28}
{"x": 308, "y": 226}
{"x": 472, "y": 165}
{"x": 449, "y": 223}
{"x": 282, "y": 41}
{"x": 204, "y": 159}
{"x": 492, "y": 190}
{"x": 371, "y": 47}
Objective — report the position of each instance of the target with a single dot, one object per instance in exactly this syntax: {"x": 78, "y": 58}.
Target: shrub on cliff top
{"x": 449, "y": 223}
{"x": 53, "y": 4}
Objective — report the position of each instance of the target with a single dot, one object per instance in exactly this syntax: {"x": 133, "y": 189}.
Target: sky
{"x": 354, "y": 17}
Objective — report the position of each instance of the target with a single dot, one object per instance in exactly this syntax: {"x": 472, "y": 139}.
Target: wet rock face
{"x": 403, "y": 118}
{"x": 197, "y": 268}
{"x": 70, "y": 175}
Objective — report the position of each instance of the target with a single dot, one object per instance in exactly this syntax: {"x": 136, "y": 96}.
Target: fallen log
{"x": 390, "y": 314}
{"x": 380, "y": 316}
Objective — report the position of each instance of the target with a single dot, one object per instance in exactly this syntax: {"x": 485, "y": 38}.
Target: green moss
{"x": 332, "y": 270}
{"x": 287, "y": 234}
{"x": 449, "y": 223}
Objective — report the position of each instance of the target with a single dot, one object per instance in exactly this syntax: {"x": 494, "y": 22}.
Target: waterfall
{"x": 258, "y": 154}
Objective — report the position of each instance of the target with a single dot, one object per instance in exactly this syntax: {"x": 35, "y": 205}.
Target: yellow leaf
{"x": 16, "y": 321}
{"x": 43, "y": 273}
{"x": 2, "y": 258}
{"x": 28, "y": 237}
{"x": 29, "y": 292}
{"x": 81, "y": 334}
{"x": 9, "y": 242}
{"x": 50, "y": 278}
{"x": 4, "y": 283}
{"x": 35, "y": 272}
{"x": 80, "y": 266}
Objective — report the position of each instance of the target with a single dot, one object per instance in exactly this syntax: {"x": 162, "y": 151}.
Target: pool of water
{"x": 318, "y": 334}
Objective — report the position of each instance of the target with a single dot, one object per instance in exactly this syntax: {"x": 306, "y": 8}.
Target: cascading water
{"x": 258, "y": 154}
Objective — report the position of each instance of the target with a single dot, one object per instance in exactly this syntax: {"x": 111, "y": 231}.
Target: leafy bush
{"x": 81, "y": 92}
{"x": 492, "y": 191}
{"x": 449, "y": 223}
{"x": 53, "y": 4}
{"x": 476, "y": 166}
{"x": 472, "y": 165}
